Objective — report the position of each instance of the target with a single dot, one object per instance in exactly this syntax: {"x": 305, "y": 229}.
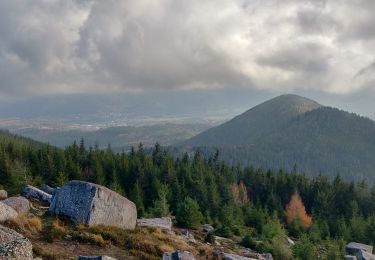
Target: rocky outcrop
{"x": 14, "y": 246}
{"x": 48, "y": 189}
{"x": 7, "y": 212}
{"x": 179, "y": 255}
{"x": 19, "y": 204}
{"x": 104, "y": 257}
{"x": 162, "y": 223}
{"x": 3, "y": 194}
{"x": 36, "y": 194}
{"x": 92, "y": 204}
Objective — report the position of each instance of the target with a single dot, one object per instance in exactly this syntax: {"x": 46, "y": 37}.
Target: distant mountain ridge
{"x": 256, "y": 122}
{"x": 291, "y": 130}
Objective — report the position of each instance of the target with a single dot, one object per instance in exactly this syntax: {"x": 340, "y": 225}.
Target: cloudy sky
{"x": 317, "y": 47}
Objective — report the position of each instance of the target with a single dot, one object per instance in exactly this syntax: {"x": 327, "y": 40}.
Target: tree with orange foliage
{"x": 239, "y": 194}
{"x": 295, "y": 210}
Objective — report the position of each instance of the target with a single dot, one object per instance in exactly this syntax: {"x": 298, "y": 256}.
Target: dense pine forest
{"x": 253, "y": 204}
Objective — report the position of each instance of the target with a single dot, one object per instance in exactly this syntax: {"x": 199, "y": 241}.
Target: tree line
{"x": 261, "y": 206}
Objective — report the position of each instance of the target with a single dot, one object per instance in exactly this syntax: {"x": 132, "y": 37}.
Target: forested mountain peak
{"x": 256, "y": 122}
{"x": 291, "y": 130}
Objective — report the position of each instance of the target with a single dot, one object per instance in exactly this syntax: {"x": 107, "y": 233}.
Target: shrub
{"x": 304, "y": 249}
{"x": 249, "y": 242}
{"x": 209, "y": 238}
{"x": 55, "y": 231}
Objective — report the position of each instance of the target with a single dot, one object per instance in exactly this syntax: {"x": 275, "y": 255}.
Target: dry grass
{"x": 144, "y": 243}
{"x": 95, "y": 239}
{"x": 29, "y": 226}
{"x": 56, "y": 230}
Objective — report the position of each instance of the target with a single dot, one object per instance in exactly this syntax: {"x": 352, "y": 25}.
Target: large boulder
{"x": 92, "y": 204}
{"x": 3, "y": 194}
{"x": 7, "y": 212}
{"x": 162, "y": 223}
{"x": 19, "y": 204}
{"x": 36, "y": 194}
{"x": 14, "y": 246}
{"x": 179, "y": 255}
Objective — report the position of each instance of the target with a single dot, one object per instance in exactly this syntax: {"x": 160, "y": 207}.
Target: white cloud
{"x": 69, "y": 46}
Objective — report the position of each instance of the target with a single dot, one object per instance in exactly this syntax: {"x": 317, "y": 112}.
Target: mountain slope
{"x": 256, "y": 122}
{"x": 290, "y": 130}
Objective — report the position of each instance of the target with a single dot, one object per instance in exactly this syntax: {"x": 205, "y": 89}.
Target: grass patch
{"x": 145, "y": 243}
{"x": 55, "y": 231}
{"x": 29, "y": 226}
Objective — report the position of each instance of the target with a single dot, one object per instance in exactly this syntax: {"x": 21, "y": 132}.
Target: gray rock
{"x": 350, "y": 257}
{"x": 33, "y": 193}
{"x": 48, "y": 189}
{"x": 3, "y": 194}
{"x": 179, "y": 255}
{"x": 290, "y": 242}
{"x": 208, "y": 228}
{"x": 14, "y": 246}
{"x": 363, "y": 255}
{"x": 92, "y": 204}
{"x": 162, "y": 223}
{"x": 104, "y": 257}
{"x": 226, "y": 256}
{"x": 19, "y": 204}
{"x": 354, "y": 247}
{"x": 7, "y": 212}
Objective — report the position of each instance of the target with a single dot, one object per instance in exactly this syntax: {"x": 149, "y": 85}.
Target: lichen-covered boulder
{"x": 179, "y": 255}
{"x": 7, "y": 212}
{"x": 14, "y": 246}
{"x": 93, "y": 204}
{"x": 19, "y": 204}
{"x": 162, "y": 223}
{"x": 3, "y": 194}
{"x": 36, "y": 194}
{"x": 48, "y": 189}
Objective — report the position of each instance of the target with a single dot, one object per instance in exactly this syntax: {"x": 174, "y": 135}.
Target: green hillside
{"x": 291, "y": 130}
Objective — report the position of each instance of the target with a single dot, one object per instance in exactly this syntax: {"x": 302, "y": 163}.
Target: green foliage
{"x": 161, "y": 206}
{"x": 188, "y": 213}
{"x": 304, "y": 249}
{"x": 296, "y": 228}
{"x": 195, "y": 190}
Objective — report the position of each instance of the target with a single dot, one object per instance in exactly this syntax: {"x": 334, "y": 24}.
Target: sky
{"x": 255, "y": 48}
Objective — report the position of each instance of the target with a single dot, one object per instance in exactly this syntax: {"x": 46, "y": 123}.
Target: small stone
{"x": 179, "y": 255}
{"x": 208, "y": 228}
{"x": 162, "y": 223}
{"x": 104, "y": 257}
{"x": 3, "y": 194}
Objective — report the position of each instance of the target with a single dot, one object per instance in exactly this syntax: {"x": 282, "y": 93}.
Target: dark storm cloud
{"x": 80, "y": 46}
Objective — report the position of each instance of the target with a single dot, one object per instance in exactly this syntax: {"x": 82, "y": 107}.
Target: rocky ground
{"x": 29, "y": 230}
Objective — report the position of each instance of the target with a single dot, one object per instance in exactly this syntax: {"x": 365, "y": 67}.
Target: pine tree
{"x": 188, "y": 213}
{"x": 161, "y": 206}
